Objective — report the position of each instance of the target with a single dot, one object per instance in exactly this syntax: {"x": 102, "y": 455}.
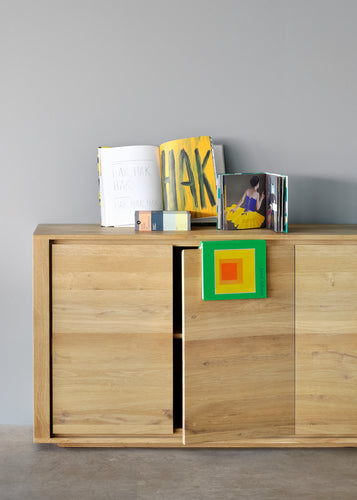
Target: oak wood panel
{"x": 41, "y": 339}
{"x": 111, "y": 288}
{"x": 112, "y": 339}
{"x": 313, "y": 232}
{"x": 170, "y": 441}
{"x": 326, "y": 340}
{"x": 176, "y": 442}
{"x": 112, "y": 384}
{"x": 239, "y": 357}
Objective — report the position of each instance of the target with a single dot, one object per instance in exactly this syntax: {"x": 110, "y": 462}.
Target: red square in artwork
{"x": 228, "y": 271}
{"x": 231, "y": 271}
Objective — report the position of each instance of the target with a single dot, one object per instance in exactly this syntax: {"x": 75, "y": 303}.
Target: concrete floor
{"x": 29, "y": 471}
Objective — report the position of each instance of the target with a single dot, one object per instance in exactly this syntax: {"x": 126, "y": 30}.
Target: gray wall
{"x": 273, "y": 80}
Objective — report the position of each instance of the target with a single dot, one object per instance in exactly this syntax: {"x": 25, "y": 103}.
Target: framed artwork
{"x": 233, "y": 269}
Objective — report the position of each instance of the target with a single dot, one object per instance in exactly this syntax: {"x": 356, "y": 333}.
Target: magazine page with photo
{"x": 245, "y": 201}
{"x": 252, "y": 200}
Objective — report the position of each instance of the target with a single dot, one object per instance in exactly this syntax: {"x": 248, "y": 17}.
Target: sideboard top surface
{"x": 313, "y": 232}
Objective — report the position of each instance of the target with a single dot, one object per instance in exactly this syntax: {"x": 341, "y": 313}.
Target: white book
{"x": 129, "y": 180}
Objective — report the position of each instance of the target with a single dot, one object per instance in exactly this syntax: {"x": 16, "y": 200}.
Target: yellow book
{"x": 188, "y": 176}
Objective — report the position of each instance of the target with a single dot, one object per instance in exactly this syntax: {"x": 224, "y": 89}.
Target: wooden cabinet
{"x": 126, "y": 352}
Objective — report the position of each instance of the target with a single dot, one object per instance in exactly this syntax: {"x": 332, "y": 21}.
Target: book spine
{"x": 286, "y": 206}
{"x": 219, "y": 202}
{"x": 100, "y": 188}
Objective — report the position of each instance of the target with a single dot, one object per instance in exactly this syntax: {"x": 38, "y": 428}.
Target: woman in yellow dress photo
{"x": 248, "y": 217}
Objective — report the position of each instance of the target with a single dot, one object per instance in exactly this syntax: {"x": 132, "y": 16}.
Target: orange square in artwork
{"x": 231, "y": 271}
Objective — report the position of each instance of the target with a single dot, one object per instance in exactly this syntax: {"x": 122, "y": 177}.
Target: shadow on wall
{"x": 316, "y": 200}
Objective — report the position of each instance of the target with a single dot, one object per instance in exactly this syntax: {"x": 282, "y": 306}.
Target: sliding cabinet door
{"x": 239, "y": 357}
{"x": 326, "y": 340}
{"x": 111, "y": 339}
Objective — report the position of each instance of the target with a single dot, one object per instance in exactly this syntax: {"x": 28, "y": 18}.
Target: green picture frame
{"x": 233, "y": 269}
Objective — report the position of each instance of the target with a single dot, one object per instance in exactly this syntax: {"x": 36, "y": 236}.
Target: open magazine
{"x": 248, "y": 200}
{"x": 179, "y": 175}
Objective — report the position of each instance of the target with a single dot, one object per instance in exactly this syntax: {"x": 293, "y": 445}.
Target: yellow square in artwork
{"x": 234, "y": 271}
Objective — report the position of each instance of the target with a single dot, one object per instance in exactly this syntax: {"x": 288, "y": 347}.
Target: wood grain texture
{"x": 112, "y": 384}
{"x": 93, "y": 232}
{"x": 41, "y": 339}
{"x": 325, "y": 346}
{"x": 326, "y": 340}
{"x": 112, "y": 339}
{"x": 111, "y": 288}
{"x": 176, "y": 442}
{"x": 239, "y": 357}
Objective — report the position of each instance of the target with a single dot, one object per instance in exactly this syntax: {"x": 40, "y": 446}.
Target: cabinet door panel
{"x": 112, "y": 384}
{"x": 239, "y": 357}
{"x": 326, "y": 340}
{"x": 111, "y": 340}
{"x": 111, "y": 288}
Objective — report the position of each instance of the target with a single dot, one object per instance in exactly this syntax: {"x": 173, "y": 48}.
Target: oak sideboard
{"x": 126, "y": 352}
